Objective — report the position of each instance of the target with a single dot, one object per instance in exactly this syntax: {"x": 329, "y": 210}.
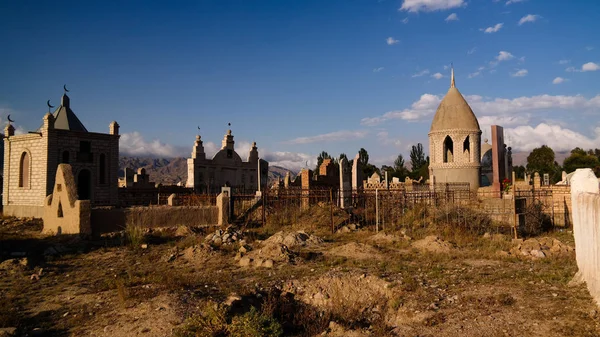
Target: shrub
{"x": 212, "y": 323}
{"x": 254, "y": 324}
{"x": 134, "y": 235}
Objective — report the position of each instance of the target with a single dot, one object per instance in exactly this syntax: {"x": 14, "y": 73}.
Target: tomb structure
{"x": 31, "y": 161}
{"x": 455, "y": 142}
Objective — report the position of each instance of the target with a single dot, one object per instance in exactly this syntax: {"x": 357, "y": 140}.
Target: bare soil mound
{"x": 433, "y": 244}
{"x": 198, "y": 254}
{"x": 336, "y": 330}
{"x": 293, "y": 239}
{"x": 359, "y": 251}
{"x": 383, "y": 237}
{"x": 355, "y": 291}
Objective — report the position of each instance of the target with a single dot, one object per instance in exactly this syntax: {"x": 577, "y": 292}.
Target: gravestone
{"x": 357, "y": 174}
{"x": 498, "y": 157}
{"x": 345, "y": 184}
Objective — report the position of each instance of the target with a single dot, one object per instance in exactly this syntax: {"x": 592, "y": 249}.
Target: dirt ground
{"x": 354, "y": 284}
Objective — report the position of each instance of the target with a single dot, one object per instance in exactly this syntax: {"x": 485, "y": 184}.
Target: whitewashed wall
{"x": 585, "y": 197}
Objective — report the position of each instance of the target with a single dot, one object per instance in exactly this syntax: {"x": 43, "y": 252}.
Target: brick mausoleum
{"x": 31, "y": 161}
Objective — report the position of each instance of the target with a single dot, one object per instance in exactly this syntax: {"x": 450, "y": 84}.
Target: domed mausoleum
{"x": 455, "y": 142}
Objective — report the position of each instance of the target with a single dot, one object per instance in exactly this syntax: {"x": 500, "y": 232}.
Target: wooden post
{"x": 376, "y": 210}
{"x": 331, "y": 208}
{"x": 264, "y": 196}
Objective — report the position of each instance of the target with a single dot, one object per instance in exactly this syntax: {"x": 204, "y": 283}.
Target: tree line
{"x": 543, "y": 160}
{"x": 419, "y": 164}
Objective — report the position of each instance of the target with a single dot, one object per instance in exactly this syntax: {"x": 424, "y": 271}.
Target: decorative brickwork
{"x": 47, "y": 148}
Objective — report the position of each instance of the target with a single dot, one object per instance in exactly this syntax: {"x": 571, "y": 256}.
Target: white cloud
{"x": 384, "y": 138}
{"x": 564, "y": 61}
{"x": 504, "y": 56}
{"x": 376, "y": 70}
{"x": 486, "y": 121}
{"x": 558, "y": 80}
{"x": 134, "y": 144}
{"x": 391, "y": 41}
{"x": 520, "y": 73}
{"x": 589, "y": 48}
{"x": 559, "y": 138}
{"x": 590, "y": 66}
{"x": 492, "y": 29}
{"x": 472, "y": 50}
{"x": 336, "y": 136}
{"x": 294, "y": 161}
{"x": 529, "y": 18}
{"x": 474, "y": 74}
{"x": 421, "y": 73}
{"x": 416, "y": 6}
{"x": 437, "y": 76}
{"x": 425, "y": 106}
{"x": 452, "y": 17}
{"x": 428, "y": 103}
{"x": 405, "y": 20}
{"x": 513, "y": 1}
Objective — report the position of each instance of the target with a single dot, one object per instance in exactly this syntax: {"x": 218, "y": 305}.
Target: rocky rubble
{"x": 539, "y": 248}
{"x": 228, "y": 236}
{"x": 348, "y": 228}
{"x": 276, "y": 249}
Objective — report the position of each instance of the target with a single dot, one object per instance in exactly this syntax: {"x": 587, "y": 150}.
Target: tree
{"x": 519, "y": 171}
{"x": 418, "y": 162}
{"x": 363, "y": 156}
{"x": 343, "y": 155}
{"x": 581, "y": 159}
{"x": 541, "y": 160}
{"x": 400, "y": 171}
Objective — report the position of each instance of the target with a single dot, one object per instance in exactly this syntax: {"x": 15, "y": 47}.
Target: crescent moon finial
{"x": 9, "y": 120}
{"x": 198, "y": 128}
{"x": 65, "y": 87}
{"x": 49, "y": 105}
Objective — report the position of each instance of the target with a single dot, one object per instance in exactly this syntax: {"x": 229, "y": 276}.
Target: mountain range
{"x": 174, "y": 170}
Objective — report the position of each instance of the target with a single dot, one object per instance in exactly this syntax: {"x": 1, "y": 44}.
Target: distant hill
{"x": 161, "y": 170}
{"x": 520, "y": 158}
{"x": 174, "y": 170}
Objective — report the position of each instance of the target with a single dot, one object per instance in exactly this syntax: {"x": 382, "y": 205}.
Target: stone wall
{"x": 28, "y": 200}
{"x": 104, "y": 191}
{"x": 108, "y": 219}
{"x": 585, "y": 197}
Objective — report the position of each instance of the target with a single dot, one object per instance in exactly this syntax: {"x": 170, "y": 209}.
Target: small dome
{"x": 454, "y": 112}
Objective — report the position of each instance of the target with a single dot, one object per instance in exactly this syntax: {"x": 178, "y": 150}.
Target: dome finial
{"x": 452, "y": 76}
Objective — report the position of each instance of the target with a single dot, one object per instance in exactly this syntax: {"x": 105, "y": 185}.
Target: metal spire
{"x": 452, "y": 76}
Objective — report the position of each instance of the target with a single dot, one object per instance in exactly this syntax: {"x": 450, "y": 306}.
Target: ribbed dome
{"x": 454, "y": 112}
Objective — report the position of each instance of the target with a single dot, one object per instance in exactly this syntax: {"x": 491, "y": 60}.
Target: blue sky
{"x": 299, "y": 77}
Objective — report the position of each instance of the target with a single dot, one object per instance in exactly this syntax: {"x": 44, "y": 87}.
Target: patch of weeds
{"x": 502, "y": 299}
{"x": 211, "y": 323}
{"x": 435, "y": 319}
{"x": 396, "y": 303}
{"x": 254, "y": 324}
{"x": 134, "y": 235}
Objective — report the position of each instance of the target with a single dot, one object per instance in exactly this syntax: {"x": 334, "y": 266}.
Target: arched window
{"x": 102, "y": 172}
{"x": 448, "y": 150}
{"x": 24, "y": 170}
{"x": 467, "y": 149}
{"x": 65, "y": 157}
